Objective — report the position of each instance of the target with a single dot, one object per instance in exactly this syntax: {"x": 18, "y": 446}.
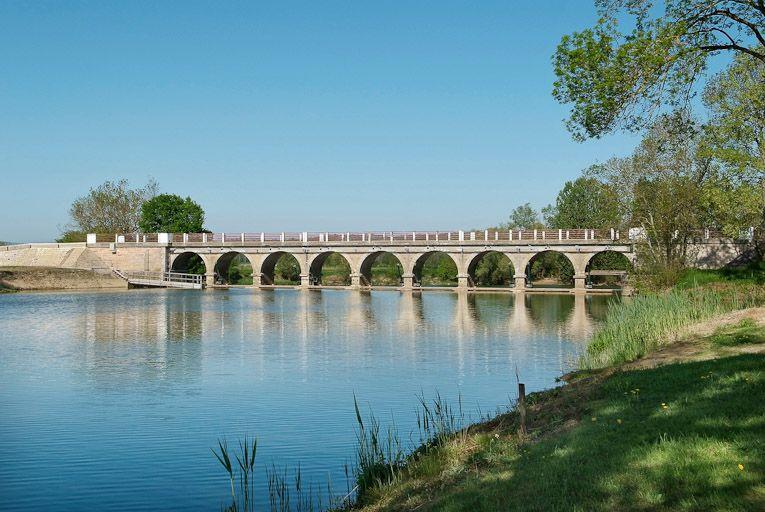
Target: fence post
{"x": 223, "y": 238}
{"x": 262, "y": 237}
{"x": 560, "y": 234}
{"x": 281, "y": 237}
{"x": 535, "y": 234}
{"x": 461, "y": 235}
{"x": 522, "y": 408}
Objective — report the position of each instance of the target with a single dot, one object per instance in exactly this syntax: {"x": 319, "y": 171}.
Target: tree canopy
{"x": 112, "y": 207}
{"x": 618, "y": 78}
{"x": 170, "y": 213}
{"x": 584, "y": 203}
{"x": 523, "y": 217}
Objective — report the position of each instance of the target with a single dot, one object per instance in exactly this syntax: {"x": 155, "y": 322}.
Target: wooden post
{"x": 522, "y": 408}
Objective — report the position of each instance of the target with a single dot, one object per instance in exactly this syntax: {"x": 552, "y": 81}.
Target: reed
{"x": 635, "y": 327}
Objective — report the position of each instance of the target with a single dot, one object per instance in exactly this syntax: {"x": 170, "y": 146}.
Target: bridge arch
{"x": 337, "y": 272}
{"x": 550, "y": 268}
{"x": 188, "y": 263}
{"x": 435, "y": 268}
{"x": 233, "y": 268}
{"x": 491, "y": 269}
{"x": 391, "y": 273}
{"x": 282, "y": 268}
{"x": 608, "y": 269}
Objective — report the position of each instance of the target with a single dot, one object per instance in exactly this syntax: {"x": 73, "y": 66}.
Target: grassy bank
{"x": 683, "y": 436}
{"x": 645, "y": 323}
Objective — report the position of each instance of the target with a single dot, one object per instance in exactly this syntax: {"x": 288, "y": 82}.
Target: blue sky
{"x": 288, "y": 115}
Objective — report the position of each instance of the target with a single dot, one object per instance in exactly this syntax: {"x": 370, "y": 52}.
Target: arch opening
{"x": 491, "y": 269}
{"x": 233, "y": 268}
{"x": 550, "y": 269}
{"x": 435, "y": 268}
{"x": 189, "y": 263}
{"x": 608, "y": 270}
{"x": 280, "y": 268}
{"x": 330, "y": 269}
{"x": 382, "y": 268}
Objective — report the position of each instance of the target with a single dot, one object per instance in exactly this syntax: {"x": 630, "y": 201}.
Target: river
{"x": 112, "y": 400}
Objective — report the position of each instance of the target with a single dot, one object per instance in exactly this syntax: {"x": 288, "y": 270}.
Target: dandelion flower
{"x": 741, "y": 467}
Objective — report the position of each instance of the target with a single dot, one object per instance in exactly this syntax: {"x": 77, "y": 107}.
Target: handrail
{"x": 391, "y": 237}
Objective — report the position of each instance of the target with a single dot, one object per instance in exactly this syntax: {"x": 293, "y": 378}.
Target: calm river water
{"x": 112, "y": 400}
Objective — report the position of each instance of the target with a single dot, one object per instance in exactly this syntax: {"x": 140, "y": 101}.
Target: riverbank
{"x": 14, "y": 279}
{"x": 678, "y": 427}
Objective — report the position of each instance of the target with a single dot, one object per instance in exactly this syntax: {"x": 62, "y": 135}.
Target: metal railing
{"x": 168, "y": 277}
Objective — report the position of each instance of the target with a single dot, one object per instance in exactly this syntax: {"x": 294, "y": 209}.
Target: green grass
{"x": 744, "y": 333}
{"x": 635, "y": 327}
{"x": 754, "y": 273}
{"x": 670, "y": 438}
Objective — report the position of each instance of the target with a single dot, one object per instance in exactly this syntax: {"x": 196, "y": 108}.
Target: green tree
{"x": 287, "y": 270}
{"x": 523, "y": 217}
{"x": 735, "y": 133}
{"x": 584, "y": 203}
{"x": 112, "y": 207}
{"x": 618, "y": 79}
{"x": 494, "y": 269}
{"x": 71, "y": 236}
{"x": 170, "y": 213}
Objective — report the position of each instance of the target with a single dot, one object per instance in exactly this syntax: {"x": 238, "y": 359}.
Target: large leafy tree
{"x": 170, "y": 213}
{"x": 112, "y": 207}
{"x": 584, "y": 203}
{"x": 619, "y": 78}
{"x": 735, "y": 133}
{"x": 523, "y": 217}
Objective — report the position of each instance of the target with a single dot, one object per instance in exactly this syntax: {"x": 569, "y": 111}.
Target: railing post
{"x": 510, "y": 234}
{"x": 472, "y": 235}
{"x": 242, "y": 237}
{"x": 544, "y": 234}
{"x": 560, "y": 234}
{"x": 391, "y": 237}
{"x": 449, "y": 236}
{"x": 568, "y": 235}
{"x": 185, "y": 238}
{"x": 427, "y": 236}
{"x": 414, "y": 236}
{"x": 612, "y": 234}
{"x": 461, "y": 235}
{"x": 281, "y": 237}
{"x": 262, "y": 237}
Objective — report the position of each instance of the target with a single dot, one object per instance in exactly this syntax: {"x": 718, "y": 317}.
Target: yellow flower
{"x": 594, "y": 418}
{"x": 741, "y": 467}
{"x": 619, "y": 421}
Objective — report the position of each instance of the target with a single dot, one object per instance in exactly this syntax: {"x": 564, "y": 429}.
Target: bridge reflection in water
{"x": 166, "y": 325}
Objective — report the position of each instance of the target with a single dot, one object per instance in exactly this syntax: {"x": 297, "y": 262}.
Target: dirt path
{"x": 47, "y": 278}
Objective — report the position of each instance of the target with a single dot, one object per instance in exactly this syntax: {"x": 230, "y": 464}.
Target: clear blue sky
{"x": 289, "y": 115}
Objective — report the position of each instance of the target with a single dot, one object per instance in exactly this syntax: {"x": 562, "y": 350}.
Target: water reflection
{"x": 144, "y": 382}
{"x": 165, "y": 331}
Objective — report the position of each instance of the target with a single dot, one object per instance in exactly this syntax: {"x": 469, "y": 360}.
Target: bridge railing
{"x": 381, "y": 237}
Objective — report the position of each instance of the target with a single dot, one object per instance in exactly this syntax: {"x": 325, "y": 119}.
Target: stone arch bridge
{"x": 166, "y": 251}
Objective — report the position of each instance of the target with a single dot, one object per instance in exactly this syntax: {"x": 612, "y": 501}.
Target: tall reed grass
{"x": 637, "y": 326}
